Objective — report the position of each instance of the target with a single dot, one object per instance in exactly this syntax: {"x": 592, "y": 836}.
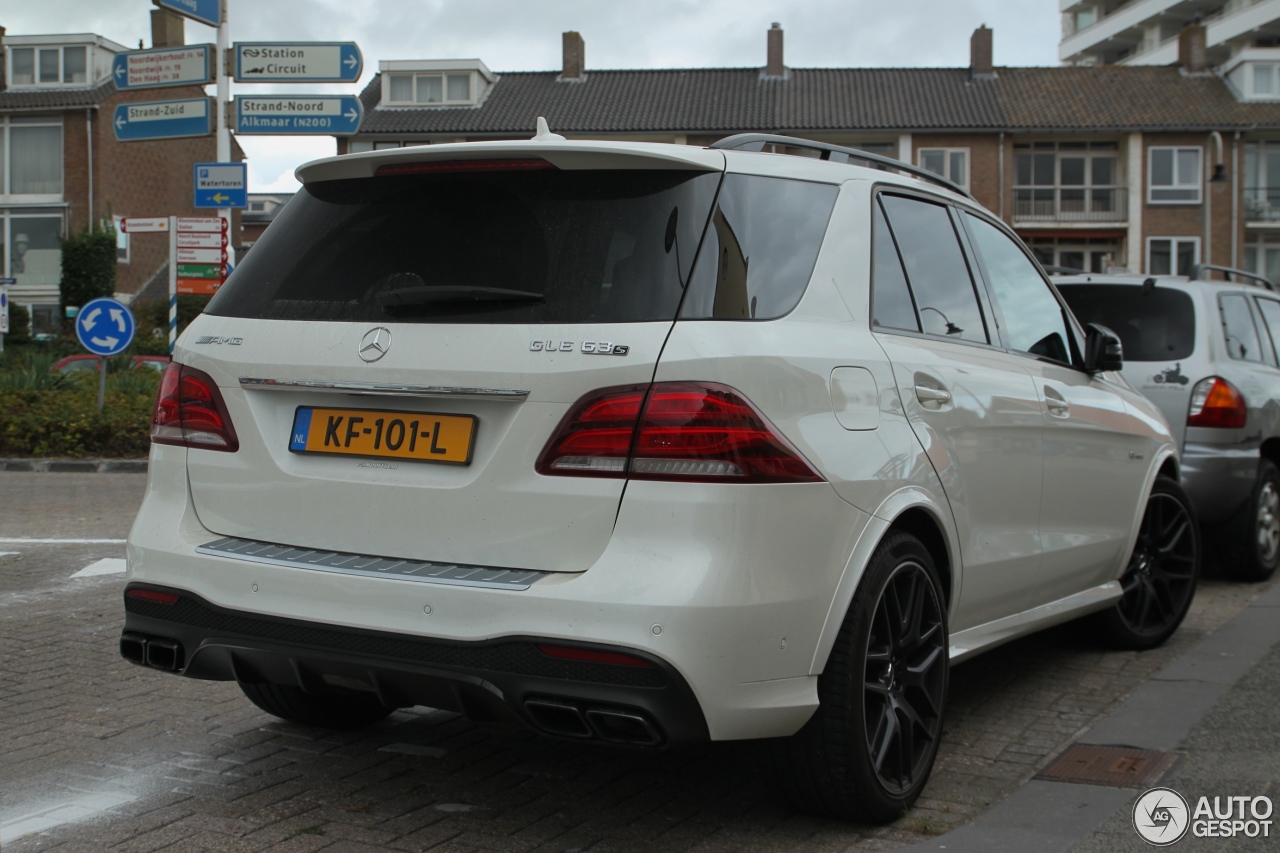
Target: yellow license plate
{"x": 424, "y": 437}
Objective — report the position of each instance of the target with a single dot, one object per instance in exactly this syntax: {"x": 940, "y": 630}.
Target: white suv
{"x": 646, "y": 444}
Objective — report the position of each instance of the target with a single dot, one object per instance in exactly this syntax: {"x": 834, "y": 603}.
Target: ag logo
{"x": 1161, "y": 816}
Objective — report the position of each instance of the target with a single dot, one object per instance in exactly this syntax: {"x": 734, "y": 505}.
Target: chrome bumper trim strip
{"x": 387, "y": 389}
{"x": 422, "y": 571}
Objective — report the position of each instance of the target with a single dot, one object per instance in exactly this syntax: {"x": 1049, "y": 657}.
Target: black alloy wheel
{"x": 867, "y": 752}
{"x": 1160, "y": 580}
{"x": 904, "y": 684}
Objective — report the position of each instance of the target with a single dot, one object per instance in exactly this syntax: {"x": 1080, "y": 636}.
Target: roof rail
{"x": 1255, "y": 279}
{"x": 1052, "y": 270}
{"x": 758, "y": 141}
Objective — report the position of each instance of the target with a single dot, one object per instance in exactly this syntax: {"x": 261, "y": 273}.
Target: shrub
{"x": 153, "y": 314}
{"x": 66, "y": 422}
{"x": 88, "y": 266}
{"x": 19, "y": 326}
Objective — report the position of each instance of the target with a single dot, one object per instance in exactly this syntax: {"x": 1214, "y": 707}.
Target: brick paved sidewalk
{"x": 139, "y": 761}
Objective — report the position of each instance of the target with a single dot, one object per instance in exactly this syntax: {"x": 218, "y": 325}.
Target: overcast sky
{"x": 524, "y": 35}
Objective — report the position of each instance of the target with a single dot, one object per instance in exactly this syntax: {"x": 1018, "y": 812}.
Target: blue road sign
{"x": 163, "y": 119}
{"x": 297, "y": 62}
{"x": 205, "y": 11}
{"x": 104, "y": 326}
{"x": 322, "y": 115}
{"x": 191, "y": 65}
{"x": 221, "y": 185}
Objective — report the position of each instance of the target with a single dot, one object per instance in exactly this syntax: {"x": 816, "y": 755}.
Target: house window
{"x": 1172, "y": 255}
{"x": 1077, "y": 253}
{"x": 1174, "y": 175}
{"x": 48, "y": 66}
{"x": 122, "y": 241}
{"x": 950, "y": 163}
{"x": 429, "y": 89}
{"x": 31, "y": 254}
{"x": 1068, "y": 181}
{"x": 31, "y": 157}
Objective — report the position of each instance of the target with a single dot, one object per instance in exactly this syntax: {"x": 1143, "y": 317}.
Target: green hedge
{"x": 66, "y": 422}
{"x": 88, "y": 266}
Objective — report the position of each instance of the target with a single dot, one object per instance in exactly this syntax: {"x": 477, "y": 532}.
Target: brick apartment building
{"x": 1094, "y": 167}
{"x": 62, "y": 169}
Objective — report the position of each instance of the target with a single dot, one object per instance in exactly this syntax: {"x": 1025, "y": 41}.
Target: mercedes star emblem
{"x": 375, "y": 343}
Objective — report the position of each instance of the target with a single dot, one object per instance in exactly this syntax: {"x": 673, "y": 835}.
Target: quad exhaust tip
{"x": 155, "y": 652}
{"x": 615, "y": 725}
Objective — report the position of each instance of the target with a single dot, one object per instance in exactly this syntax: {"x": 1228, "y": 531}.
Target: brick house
{"x": 62, "y": 168}
{"x": 1094, "y": 167}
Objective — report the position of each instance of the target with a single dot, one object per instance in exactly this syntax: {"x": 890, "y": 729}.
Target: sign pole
{"x": 173, "y": 282}
{"x": 224, "y": 132}
{"x": 102, "y": 381}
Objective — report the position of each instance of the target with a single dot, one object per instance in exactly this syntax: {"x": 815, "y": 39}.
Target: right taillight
{"x": 687, "y": 431}
{"x": 1215, "y": 402}
{"x": 190, "y": 411}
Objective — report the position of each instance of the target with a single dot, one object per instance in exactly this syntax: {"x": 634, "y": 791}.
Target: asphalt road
{"x": 98, "y": 754}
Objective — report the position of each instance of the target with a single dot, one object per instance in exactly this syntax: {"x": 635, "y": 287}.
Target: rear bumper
{"x": 1218, "y": 478}
{"x": 507, "y": 679}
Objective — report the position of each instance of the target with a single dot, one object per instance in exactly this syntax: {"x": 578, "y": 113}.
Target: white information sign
{"x": 198, "y": 223}
{"x": 144, "y": 224}
{"x": 199, "y": 240}
{"x": 201, "y": 256}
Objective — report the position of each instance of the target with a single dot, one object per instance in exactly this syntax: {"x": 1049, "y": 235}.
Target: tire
{"x": 338, "y": 709}
{"x": 867, "y": 752}
{"x": 1160, "y": 581}
{"x": 1251, "y": 542}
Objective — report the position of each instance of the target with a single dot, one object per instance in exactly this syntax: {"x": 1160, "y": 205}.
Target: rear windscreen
{"x": 1154, "y": 323}
{"x": 539, "y": 246}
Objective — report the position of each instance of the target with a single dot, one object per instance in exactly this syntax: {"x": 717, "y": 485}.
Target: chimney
{"x": 1193, "y": 48}
{"x": 166, "y": 29}
{"x": 575, "y": 56}
{"x": 981, "y": 66}
{"x": 773, "y": 65}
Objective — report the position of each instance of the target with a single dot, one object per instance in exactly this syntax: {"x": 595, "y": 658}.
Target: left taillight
{"x": 190, "y": 412}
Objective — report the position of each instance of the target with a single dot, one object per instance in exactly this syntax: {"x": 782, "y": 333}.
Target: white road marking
{"x": 48, "y": 818}
{"x": 109, "y": 566}
{"x": 8, "y": 553}
{"x": 19, "y": 541}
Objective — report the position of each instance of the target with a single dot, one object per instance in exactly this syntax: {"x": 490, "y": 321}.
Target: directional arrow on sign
{"x": 109, "y": 343}
{"x": 90, "y": 318}
{"x": 118, "y": 316}
{"x": 219, "y": 197}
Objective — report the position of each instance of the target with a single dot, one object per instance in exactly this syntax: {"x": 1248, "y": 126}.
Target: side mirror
{"x": 1102, "y": 349}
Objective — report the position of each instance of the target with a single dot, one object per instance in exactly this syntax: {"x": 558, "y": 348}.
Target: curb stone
{"x": 76, "y": 466}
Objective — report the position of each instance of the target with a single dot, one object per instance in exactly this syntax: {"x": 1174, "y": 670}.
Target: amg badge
{"x": 588, "y": 347}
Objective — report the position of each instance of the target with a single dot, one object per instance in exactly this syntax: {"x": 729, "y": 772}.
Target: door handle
{"x": 926, "y": 395}
{"x": 1055, "y": 404}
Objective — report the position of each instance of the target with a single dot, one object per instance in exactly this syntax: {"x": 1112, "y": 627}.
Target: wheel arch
{"x": 1270, "y": 451}
{"x": 911, "y": 510}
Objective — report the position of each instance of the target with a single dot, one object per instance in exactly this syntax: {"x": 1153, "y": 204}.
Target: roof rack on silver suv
{"x": 758, "y": 141}
{"x": 1254, "y": 279}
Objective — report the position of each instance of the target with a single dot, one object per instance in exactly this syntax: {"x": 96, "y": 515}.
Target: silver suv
{"x": 1205, "y": 351}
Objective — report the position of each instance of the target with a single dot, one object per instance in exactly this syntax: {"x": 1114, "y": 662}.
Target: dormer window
{"x": 429, "y": 89}
{"x": 49, "y": 66}
{"x": 1264, "y": 80}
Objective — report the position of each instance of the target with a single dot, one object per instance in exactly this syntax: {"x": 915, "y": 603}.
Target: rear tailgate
{"x": 604, "y": 240}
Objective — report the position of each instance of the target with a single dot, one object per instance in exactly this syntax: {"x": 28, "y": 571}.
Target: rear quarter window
{"x": 1154, "y": 324}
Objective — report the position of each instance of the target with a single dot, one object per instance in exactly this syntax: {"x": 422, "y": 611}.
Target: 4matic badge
{"x": 588, "y": 347}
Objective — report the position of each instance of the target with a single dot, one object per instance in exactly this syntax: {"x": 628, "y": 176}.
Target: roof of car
{"x": 1136, "y": 280}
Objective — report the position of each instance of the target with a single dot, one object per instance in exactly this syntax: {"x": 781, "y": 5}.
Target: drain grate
{"x": 1117, "y": 766}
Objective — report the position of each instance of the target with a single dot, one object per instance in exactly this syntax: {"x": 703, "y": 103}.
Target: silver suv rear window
{"x": 595, "y": 246}
{"x": 1154, "y": 323}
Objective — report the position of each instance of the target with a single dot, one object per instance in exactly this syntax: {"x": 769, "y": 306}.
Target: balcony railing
{"x": 1070, "y": 204}
{"x": 1262, "y": 204}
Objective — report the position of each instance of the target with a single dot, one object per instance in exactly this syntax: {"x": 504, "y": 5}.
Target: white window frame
{"x": 946, "y": 160}
{"x": 1264, "y": 69}
{"x": 1173, "y": 253}
{"x": 122, "y": 240}
{"x": 442, "y": 76}
{"x": 7, "y": 196}
{"x": 62, "y": 65}
{"x": 1198, "y": 186}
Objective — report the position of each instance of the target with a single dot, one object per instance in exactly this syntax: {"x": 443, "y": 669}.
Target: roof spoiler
{"x": 835, "y": 153}
{"x": 1054, "y": 270}
{"x": 1253, "y": 278}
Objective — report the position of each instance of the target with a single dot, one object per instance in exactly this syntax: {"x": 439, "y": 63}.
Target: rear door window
{"x": 516, "y": 246}
{"x": 760, "y": 248}
{"x": 1238, "y": 329}
{"x": 1270, "y": 311}
{"x": 891, "y": 304}
{"x": 945, "y": 298}
{"x": 1154, "y": 323}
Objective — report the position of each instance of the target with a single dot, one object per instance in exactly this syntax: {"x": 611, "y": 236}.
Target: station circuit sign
{"x": 297, "y": 62}
{"x": 167, "y": 66}
{"x": 162, "y": 120}
{"x": 322, "y": 115}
